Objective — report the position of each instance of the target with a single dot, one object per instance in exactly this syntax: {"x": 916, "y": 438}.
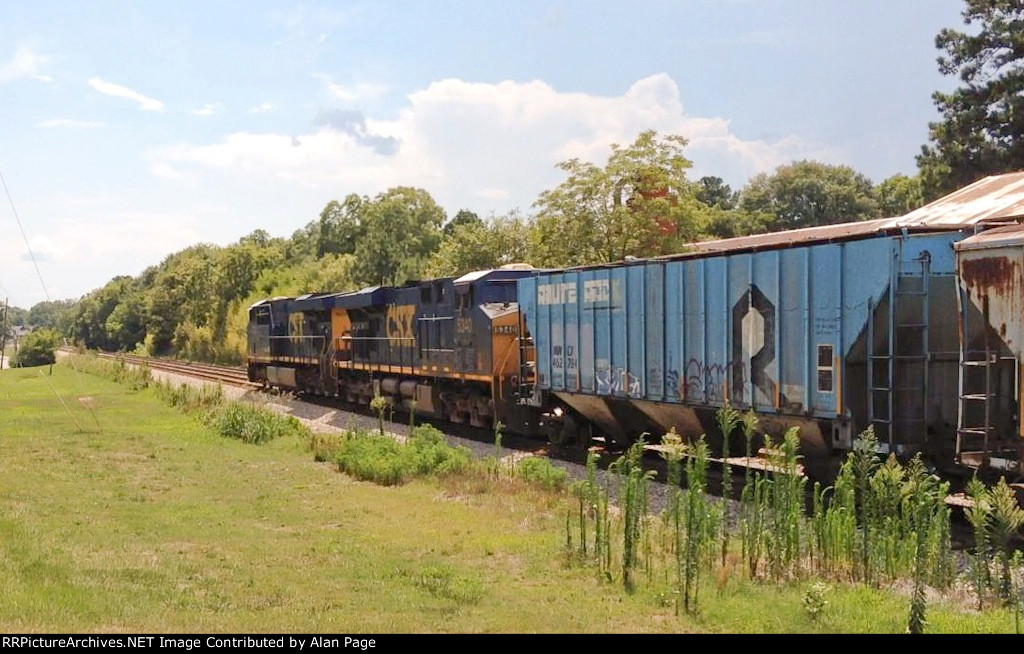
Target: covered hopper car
{"x": 912, "y": 326}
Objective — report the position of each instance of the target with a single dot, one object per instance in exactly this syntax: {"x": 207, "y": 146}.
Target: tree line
{"x": 640, "y": 203}
{"x": 195, "y": 302}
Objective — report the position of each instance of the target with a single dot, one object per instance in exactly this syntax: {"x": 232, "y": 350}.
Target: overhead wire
{"x": 24, "y": 237}
{"x": 46, "y": 292}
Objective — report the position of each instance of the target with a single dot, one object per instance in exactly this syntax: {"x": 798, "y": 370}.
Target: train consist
{"x": 912, "y": 325}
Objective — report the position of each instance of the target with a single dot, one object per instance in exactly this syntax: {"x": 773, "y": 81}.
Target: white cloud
{"x": 99, "y": 242}
{"x": 165, "y": 171}
{"x": 305, "y": 23}
{"x": 262, "y": 108}
{"x": 71, "y": 122}
{"x": 207, "y": 109}
{"x": 116, "y": 90}
{"x": 24, "y": 63}
{"x": 44, "y": 249}
{"x": 358, "y": 92}
{"x": 492, "y": 194}
{"x": 354, "y": 93}
{"x": 475, "y": 143}
{"x": 80, "y": 240}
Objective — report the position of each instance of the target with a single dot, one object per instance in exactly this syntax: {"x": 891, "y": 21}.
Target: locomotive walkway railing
{"x": 376, "y": 352}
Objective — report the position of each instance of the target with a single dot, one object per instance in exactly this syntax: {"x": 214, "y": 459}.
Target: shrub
{"x": 201, "y": 343}
{"x": 251, "y": 423}
{"x": 37, "y": 348}
{"x": 540, "y": 471}
{"x": 372, "y": 457}
{"x": 383, "y": 460}
{"x": 433, "y": 455}
{"x": 325, "y": 446}
{"x": 190, "y": 398}
{"x": 814, "y": 600}
{"x": 1007, "y": 518}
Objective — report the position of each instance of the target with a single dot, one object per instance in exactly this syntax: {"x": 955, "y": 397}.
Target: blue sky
{"x": 133, "y": 129}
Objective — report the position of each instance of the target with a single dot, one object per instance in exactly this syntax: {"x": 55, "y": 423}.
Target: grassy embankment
{"x": 156, "y": 523}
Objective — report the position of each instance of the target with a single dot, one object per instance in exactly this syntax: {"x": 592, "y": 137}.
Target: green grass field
{"x": 157, "y": 524}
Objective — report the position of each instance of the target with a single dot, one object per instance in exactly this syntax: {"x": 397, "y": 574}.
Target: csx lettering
{"x": 399, "y": 323}
{"x": 295, "y": 323}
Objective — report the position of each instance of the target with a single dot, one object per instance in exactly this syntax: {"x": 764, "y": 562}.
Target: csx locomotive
{"x": 912, "y": 325}
{"x": 448, "y": 348}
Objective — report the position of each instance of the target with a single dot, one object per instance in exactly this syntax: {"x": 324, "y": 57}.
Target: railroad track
{"x": 237, "y": 376}
{"x": 231, "y": 375}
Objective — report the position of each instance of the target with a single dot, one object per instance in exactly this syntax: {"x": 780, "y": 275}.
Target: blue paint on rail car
{"x": 767, "y": 329}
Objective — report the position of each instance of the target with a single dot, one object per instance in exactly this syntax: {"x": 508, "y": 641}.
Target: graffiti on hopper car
{"x": 617, "y": 380}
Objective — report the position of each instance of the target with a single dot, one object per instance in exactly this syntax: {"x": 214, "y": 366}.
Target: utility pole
{"x": 3, "y": 333}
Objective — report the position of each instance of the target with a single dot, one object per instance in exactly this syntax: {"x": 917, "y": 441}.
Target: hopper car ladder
{"x": 976, "y": 437}
{"x": 892, "y": 396}
{"x": 970, "y": 436}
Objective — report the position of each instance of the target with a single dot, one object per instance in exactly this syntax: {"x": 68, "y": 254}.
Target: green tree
{"x": 639, "y": 204}
{"x": 183, "y": 289}
{"x": 125, "y": 326}
{"x": 714, "y": 192}
{"x": 258, "y": 237}
{"x": 236, "y": 268}
{"x": 898, "y": 195}
{"x": 402, "y": 229}
{"x": 981, "y": 131}
{"x": 481, "y": 246}
{"x": 194, "y": 303}
{"x": 14, "y": 317}
{"x": 809, "y": 194}
{"x": 303, "y": 243}
{"x": 36, "y": 349}
{"x": 463, "y": 217}
{"x": 17, "y": 316}
{"x": 340, "y": 226}
{"x": 88, "y": 319}
{"x": 730, "y": 223}
{"x": 49, "y": 314}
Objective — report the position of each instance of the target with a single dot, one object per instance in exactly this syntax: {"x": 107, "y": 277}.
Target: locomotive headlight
{"x": 558, "y": 411}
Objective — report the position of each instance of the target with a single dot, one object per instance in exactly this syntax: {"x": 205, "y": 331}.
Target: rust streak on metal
{"x": 989, "y": 273}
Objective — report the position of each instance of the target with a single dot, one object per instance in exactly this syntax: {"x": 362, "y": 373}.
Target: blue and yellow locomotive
{"x": 448, "y": 348}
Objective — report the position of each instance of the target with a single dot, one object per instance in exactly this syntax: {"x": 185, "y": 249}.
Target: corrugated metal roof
{"x": 822, "y": 234}
{"x": 999, "y": 197}
{"x": 1012, "y": 235}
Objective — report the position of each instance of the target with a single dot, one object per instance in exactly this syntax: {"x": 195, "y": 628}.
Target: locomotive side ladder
{"x": 898, "y": 398}
{"x": 527, "y": 362}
